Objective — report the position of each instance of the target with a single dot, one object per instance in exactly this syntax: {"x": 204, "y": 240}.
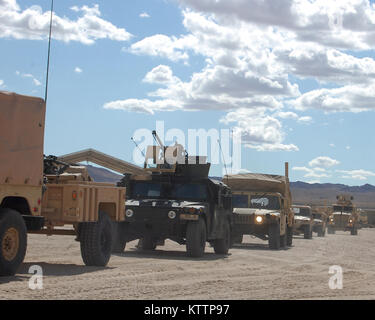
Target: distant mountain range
{"x": 325, "y": 193}
{"x": 302, "y": 192}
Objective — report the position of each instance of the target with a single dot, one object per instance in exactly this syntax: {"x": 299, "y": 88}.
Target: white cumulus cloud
{"x": 323, "y": 162}
{"x": 144, "y": 15}
{"x": 359, "y": 174}
{"x": 254, "y": 53}
{"x": 33, "y": 24}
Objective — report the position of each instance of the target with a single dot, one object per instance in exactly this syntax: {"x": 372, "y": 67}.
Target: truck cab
{"x": 303, "y": 221}
{"x": 262, "y": 208}
{"x": 344, "y": 216}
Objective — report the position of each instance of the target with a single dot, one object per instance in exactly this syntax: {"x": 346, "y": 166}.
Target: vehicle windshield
{"x": 265, "y": 202}
{"x": 146, "y": 190}
{"x": 178, "y": 191}
{"x": 301, "y": 211}
{"x": 240, "y": 201}
{"x": 188, "y": 191}
{"x": 342, "y": 209}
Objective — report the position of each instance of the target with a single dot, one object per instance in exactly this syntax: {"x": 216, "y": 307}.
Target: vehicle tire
{"x": 96, "y": 241}
{"x": 274, "y": 236}
{"x": 354, "y": 231}
{"x": 289, "y": 236}
{"x": 118, "y": 238}
{"x": 196, "y": 238}
{"x": 13, "y": 241}
{"x": 147, "y": 243}
{"x": 307, "y": 232}
{"x": 221, "y": 246}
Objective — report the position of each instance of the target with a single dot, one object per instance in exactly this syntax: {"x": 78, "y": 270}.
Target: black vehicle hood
{"x": 164, "y": 203}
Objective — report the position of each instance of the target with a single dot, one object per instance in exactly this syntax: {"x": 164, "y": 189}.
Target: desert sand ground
{"x": 250, "y": 271}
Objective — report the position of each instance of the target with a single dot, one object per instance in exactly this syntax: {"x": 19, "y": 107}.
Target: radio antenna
{"x": 136, "y": 144}
{"x": 225, "y": 165}
{"x": 231, "y": 151}
{"x": 49, "y": 51}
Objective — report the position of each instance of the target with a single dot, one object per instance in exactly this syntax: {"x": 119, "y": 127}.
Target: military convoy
{"x": 172, "y": 197}
{"x": 262, "y": 208}
{"x": 344, "y": 216}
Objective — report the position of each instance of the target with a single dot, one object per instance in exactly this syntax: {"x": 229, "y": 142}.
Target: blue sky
{"x": 294, "y": 84}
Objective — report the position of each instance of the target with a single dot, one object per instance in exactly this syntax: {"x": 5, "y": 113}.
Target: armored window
{"x": 240, "y": 201}
{"x": 189, "y": 191}
{"x": 146, "y": 190}
{"x": 265, "y": 202}
{"x": 302, "y": 211}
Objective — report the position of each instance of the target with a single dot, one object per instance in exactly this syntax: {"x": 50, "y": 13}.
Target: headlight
{"x": 171, "y": 214}
{"x": 259, "y": 219}
{"x": 350, "y": 220}
{"x": 129, "y": 213}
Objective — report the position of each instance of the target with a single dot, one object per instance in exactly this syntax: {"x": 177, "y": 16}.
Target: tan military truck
{"x": 303, "y": 221}
{"x": 262, "y": 208}
{"x": 344, "y": 216}
{"x": 34, "y": 202}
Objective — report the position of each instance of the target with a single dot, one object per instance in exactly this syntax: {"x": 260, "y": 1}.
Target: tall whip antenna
{"x": 49, "y": 51}
{"x": 136, "y": 144}
{"x": 231, "y": 152}
{"x": 222, "y": 153}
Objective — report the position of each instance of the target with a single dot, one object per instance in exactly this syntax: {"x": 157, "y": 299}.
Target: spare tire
{"x": 96, "y": 241}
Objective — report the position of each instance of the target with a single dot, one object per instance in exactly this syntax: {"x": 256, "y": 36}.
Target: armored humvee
{"x": 177, "y": 202}
{"x": 344, "y": 216}
{"x": 262, "y": 208}
{"x": 303, "y": 221}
